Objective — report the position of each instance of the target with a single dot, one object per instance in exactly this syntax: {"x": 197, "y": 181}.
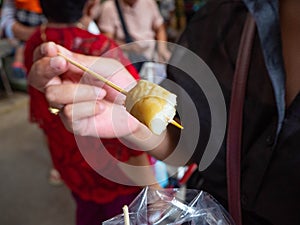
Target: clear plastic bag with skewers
{"x": 170, "y": 207}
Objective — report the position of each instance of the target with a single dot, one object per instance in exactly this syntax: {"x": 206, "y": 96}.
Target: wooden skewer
{"x": 98, "y": 76}
{"x": 126, "y": 215}
{"x": 176, "y": 124}
{"x": 104, "y": 80}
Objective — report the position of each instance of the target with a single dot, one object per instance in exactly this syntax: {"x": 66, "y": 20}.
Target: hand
{"x": 89, "y": 108}
{"x": 94, "y": 110}
{"x": 47, "y": 67}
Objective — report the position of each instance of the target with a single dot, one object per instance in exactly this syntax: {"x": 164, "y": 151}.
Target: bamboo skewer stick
{"x": 176, "y": 124}
{"x": 126, "y": 215}
{"x": 106, "y": 81}
{"x": 98, "y": 76}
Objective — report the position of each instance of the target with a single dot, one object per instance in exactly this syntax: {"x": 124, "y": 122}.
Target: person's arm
{"x": 146, "y": 173}
{"x": 159, "y": 147}
{"x": 83, "y": 104}
{"x": 107, "y": 18}
{"x": 11, "y": 27}
{"x": 108, "y": 24}
{"x": 22, "y": 32}
{"x": 161, "y": 37}
{"x": 160, "y": 33}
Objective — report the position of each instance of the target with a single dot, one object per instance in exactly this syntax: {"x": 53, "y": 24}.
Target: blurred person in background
{"x": 143, "y": 21}
{"x": 19, "y": 20}
{"x": 97, "y": 198}
{"x": 270, "y": 131}
{"x": 91, "y": 13}
{"x": 167, "y": 9}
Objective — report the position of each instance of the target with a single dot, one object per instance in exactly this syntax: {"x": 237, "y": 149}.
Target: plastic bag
{"x": 166, "y": 207}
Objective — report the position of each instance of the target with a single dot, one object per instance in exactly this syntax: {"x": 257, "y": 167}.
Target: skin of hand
{"x": 59, "y": 79}
{"x": 94, "y": 110}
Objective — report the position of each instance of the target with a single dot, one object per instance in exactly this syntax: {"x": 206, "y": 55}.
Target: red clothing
{"x": 66, "y": 156}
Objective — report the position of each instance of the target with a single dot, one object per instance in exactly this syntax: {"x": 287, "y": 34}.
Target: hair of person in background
{"x": 66, "y": 11}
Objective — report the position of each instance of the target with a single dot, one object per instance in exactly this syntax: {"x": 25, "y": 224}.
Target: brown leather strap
{"x": 234, "y": 136}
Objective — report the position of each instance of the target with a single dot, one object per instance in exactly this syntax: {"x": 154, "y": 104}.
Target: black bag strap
{"x": 234, "y": 136}
{"x": 128, "y": 38}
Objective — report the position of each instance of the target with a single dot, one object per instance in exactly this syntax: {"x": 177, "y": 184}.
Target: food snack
{"x": 152, "y": 105}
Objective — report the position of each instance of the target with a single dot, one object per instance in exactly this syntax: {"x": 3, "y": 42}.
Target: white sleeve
{"x": 8, "y": 17}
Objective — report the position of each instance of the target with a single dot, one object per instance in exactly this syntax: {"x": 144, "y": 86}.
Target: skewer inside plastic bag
{"x": 108, "y": 82}
{"x": 126, "y": 215}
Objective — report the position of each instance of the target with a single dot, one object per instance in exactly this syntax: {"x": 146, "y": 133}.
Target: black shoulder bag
{"x": 136, "y": 58}
{"x": 128, "y": 38}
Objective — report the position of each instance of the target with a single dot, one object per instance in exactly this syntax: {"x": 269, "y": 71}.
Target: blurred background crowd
{"x": 21, "y": 20}
{"x": 18, "y": 22}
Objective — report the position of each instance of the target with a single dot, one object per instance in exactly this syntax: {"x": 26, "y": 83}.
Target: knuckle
{"x": 68, "y": 112}
{"x": 50, "y": 95}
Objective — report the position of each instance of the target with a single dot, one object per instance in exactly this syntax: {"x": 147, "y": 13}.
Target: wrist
{"x": 142, "y": 138}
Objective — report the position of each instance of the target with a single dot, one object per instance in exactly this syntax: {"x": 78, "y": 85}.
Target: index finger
{"x": 73, "y": 93}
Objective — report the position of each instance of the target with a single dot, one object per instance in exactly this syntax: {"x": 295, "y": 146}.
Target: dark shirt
{"x": 270, "y": 185}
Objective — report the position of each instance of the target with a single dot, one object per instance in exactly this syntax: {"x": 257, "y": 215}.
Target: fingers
{"x": 45, "y": 72}
{"x": 46, "y": 55}
{"x": 49, "y": 49}
{"x": 47, "y": 66}
{"x": 98, "y": 119}
{"x": 46, "y": 49}
{"x": 83, "y": 110}
{"x": 79, "y": 118}
{"x": 73, "y": 93}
